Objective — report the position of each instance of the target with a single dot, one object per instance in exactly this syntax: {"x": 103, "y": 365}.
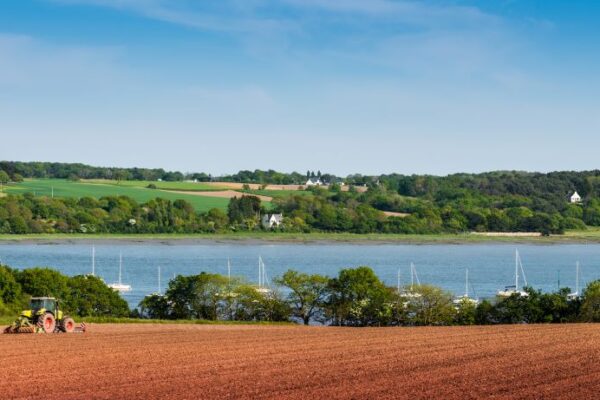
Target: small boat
{"x": 514, "y": 289}
{"x": 263, "y": 283}
{"x": 413, "y": 277}
{"x": 465, "y": 297}
{"x": 159, "y": 292}
{"x": 120, "y": 286}
{"x": 229, "y": 293}
{"x": 575, "y": 295}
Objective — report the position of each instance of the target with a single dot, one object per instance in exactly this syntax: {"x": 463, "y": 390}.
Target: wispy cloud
{"x": 210, "y": 16}
{"x": 258, "y": 15}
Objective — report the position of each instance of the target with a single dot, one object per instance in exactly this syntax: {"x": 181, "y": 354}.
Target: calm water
{"x": 491, "y": 266}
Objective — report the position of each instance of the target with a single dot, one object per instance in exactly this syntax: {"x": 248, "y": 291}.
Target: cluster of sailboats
{"x": 508, "y": 291}
{"x": 408, "y": 292}
{"x": 119, "y": 286}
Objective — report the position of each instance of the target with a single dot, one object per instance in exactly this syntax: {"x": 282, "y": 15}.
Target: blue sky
{"x": 345, "y": 86}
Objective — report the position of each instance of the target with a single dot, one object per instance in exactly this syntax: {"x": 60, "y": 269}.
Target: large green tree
{"x": 358, "y": 298}
{"x": 307, "y": 293}
{"x": 90, "y": 296}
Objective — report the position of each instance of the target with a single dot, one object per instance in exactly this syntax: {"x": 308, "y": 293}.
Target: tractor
{"x": 44, "y": 316}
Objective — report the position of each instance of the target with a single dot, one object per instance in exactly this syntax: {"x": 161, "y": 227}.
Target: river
{"x": 491, "y": 266}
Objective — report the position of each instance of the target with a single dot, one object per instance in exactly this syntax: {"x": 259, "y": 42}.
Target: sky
{"x": 343, "y": 86}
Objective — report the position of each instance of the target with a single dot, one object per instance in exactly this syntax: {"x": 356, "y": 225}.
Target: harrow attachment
{"x": 24, "y": 325}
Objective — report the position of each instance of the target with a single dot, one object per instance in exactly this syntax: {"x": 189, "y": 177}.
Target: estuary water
{"x": 491, "y": 266}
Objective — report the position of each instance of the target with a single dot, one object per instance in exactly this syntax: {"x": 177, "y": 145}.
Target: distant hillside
{"x": 502, "y": 201}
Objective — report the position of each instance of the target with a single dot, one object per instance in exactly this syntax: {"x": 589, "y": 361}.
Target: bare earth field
{"x": 136, "y": 361}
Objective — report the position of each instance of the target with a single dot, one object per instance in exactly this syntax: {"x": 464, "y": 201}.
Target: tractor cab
{"x": 43, "y": 303}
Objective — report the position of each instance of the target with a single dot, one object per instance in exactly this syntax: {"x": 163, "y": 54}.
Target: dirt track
{"x": 244, "y": 362}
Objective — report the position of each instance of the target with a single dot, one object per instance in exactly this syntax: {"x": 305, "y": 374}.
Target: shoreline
{"x": 578, "y": 237}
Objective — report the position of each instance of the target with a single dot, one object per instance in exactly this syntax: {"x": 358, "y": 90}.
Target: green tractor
{"x": 44, "y": 316}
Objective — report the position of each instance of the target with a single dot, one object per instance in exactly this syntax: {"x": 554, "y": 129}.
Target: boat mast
{"x": 159, "y": 280}
{"x": 412, "y": 276}
{"x": 228, "y": 270}
{"x": 516, "y": 269}
{"x": 93, "y": 261}
{"x": 120, "y": 265}
{"x": 398, "y": 280}
{"x": 577, "y": 278}
{"x": 259, "y": 272}
{"x": 467, "y": 282}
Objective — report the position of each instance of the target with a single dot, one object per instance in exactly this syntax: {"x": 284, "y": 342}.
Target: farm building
{"x": 575, "y": 198}
{"x": 314, "y": 182}
{"x": 270, "y": 220}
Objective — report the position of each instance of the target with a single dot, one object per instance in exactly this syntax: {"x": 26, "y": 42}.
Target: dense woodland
{"x": 495, "y": 202}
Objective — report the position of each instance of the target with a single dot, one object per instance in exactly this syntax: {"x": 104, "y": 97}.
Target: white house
{"x": 314, "y": 182}
{"x": 270, "y": 220}
{"x": 575, "y": 198}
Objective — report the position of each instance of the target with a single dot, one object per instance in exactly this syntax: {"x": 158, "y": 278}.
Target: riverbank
{"x": 591, "y": 235}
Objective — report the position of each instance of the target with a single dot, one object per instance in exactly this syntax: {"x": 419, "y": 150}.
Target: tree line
{"x": 17, "y": 170}
{"x": 357, "y": 297}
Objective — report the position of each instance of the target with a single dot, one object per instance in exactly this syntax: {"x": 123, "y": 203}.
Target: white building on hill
{"x": 575, "y": 198}
{"x": 314, "y": 182}
{"x": 271, "y": 220}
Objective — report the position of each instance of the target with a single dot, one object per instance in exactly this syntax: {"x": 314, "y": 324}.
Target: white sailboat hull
{"x": 120, "y": 287}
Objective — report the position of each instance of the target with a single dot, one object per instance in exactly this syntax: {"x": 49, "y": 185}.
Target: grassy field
{"x": 588, "y": 236}
{"x": 185, "y": 186}
{"x": 64, "y": 188}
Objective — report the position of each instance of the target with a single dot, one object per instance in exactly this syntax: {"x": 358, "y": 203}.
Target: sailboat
{"x": 465, "y": 297}
{"x": 514, "y": 289}
{"x": 413, "y": 277}
{"x": 263, "y": 284}
{"x": 575, "y": 295}
{"x": 230, "y": 293}
{"x": 93, "y": 261}
{"x": 120, "y": 286}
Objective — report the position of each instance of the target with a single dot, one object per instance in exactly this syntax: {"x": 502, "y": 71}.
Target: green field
{"x": 64, "y": 188}
{"x": 185, "y": 186}
{"x": 195, "y": 187}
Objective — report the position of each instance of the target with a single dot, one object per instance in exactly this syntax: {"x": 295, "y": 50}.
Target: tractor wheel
{"x": 48, "y": 323}
{"x": 67, "y": 325}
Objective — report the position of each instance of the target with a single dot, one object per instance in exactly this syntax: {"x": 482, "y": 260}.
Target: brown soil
{"x": 292, "y": 362}
{"x": 227, "y": 194}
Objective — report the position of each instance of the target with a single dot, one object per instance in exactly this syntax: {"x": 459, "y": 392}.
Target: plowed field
{"x": 291, "y": 362}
